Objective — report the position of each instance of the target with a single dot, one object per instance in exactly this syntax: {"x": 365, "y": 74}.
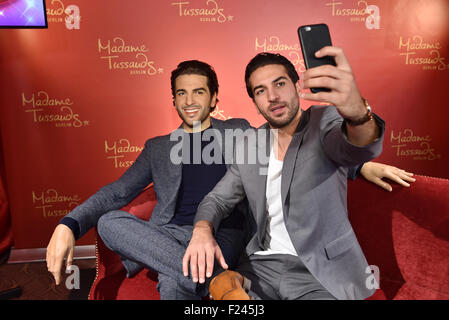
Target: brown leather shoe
{"x": 228, "y": 285}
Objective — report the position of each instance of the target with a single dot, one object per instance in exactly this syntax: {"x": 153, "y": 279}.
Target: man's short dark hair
{"x": 199, "y": 68}
{"x": 264, "y": 59}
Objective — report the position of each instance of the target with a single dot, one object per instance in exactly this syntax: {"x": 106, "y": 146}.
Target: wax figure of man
{"x": 160, "y": 243}
{"x": 304, "y": 246}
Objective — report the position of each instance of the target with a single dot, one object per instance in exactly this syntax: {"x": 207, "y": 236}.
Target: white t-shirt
{"x": 277, "y": 239}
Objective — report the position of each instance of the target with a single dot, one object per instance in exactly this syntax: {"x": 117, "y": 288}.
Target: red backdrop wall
{"x": 79, "y": 99}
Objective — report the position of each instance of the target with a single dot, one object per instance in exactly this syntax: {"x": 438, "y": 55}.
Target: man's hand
{"x": 344, "y": 94}
{"x": 339, "y": 79}
{"x": 375, "y": 172}
{"x": 61, "y": 246}
{"x": 201, "y": 252}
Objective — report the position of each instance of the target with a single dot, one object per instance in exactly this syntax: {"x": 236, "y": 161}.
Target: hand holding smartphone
{"x": 313, "y": 38}
{"x": 340, "y": 87}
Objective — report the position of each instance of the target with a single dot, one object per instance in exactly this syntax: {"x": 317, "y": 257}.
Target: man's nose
{"x": 272, "y": 95}
{"x": 189, "y": 99}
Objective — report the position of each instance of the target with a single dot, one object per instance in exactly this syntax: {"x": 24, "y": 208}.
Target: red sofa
{"x": 405, "y": 233}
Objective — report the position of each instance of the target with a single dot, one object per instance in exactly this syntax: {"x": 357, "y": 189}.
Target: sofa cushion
{"x": 401, "y": 230}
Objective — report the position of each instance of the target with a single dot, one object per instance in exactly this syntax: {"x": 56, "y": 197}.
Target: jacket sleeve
{"x": 220, "y": 202}
{"x": 353, "y": 172}
{"x": 339, "y": 148}
{"x": 116, "y": 194}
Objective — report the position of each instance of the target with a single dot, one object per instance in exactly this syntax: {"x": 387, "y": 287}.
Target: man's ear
{"x": 213, "y": 101}
{"x": 298, "y": 89}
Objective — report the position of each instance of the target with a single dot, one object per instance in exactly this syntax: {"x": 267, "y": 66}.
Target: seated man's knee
{"x": 108, "y": 223}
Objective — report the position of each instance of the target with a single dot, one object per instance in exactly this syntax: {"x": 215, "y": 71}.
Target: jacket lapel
{"x": 226, "y": 143}
{"x": 219, "y": 137}
{"x": 291, "y": 156}
{"x": 289, "y": 164}
{"x": 260, "y": 181}
{"x": 175, "y": 170}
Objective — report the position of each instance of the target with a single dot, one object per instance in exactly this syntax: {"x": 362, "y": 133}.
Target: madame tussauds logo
{"x": 117, "y": 151}
{"x": 57, "y": 12}
{"x": 212, "y": 12}
{"x": 410, "y": 145}
{"x": 359, "y": 12}
{"x": 121, "y": 55}
{"x": 418, "y": 52}
{"x": 51, "y": 203}
{"x": 275, "y": 45}
{"x": 46, "y": 109}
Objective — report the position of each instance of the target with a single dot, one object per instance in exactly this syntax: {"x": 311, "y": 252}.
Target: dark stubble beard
{"x": 280, "y": 123}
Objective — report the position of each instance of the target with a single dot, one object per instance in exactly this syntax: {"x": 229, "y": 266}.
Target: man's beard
{"x": 282, "y": 122}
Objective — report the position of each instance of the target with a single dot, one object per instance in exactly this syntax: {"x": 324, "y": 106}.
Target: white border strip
{"x": 39, "y": 254}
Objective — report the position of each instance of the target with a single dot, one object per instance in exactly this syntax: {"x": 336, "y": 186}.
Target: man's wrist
{"x": 72, "y": 224}
{"x": 203, "y": 226}
{"x": 368, "y": 116}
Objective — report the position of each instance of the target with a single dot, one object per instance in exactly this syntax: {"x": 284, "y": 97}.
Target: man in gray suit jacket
{"x": 160, "y": 243}
{"x": 304, "y": 246}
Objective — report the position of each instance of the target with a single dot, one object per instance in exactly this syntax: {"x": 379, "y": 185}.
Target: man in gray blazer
{"x": 304, "y": 246}
{"x": 159, "y": 244}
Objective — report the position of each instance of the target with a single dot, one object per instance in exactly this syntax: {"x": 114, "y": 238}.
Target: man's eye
{"x": 259, "y": 92}
{"x": 200, "y": 92}
{"x": 180, "y": 93}
{"x": 280, "y": 84}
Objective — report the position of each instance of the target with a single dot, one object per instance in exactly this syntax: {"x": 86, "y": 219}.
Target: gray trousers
{"x": 281, "y": 276}
{"x": 142, "y": 244}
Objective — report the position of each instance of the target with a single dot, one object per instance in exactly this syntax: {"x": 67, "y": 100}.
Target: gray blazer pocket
{"x": 340, "y": 245}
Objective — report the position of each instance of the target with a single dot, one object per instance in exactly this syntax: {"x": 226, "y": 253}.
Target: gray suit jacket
{"x": 313, "y": 191}
{"x": 153, "y": 165}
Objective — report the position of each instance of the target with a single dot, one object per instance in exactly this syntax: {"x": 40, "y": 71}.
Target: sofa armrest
{"x": 110, "y": 281}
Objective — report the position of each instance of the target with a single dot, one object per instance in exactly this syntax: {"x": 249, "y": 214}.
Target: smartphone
{"x": 312, "y": 38}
